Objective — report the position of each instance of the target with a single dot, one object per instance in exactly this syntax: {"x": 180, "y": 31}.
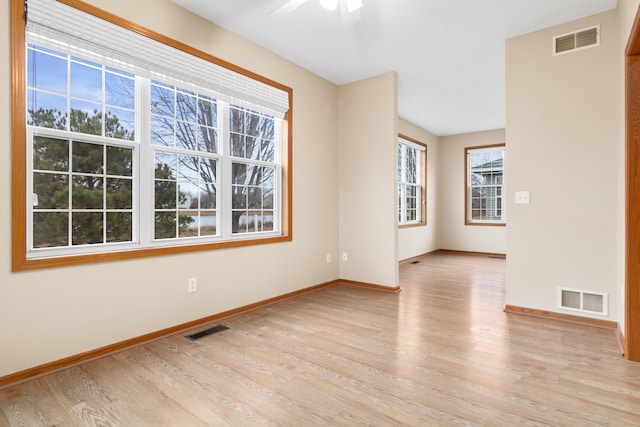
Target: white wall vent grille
{"x": 584, "y": 301}
{"x": 582, "y": 39}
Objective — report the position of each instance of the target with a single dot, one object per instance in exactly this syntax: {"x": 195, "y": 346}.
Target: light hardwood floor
{"x": 442, "y": 352}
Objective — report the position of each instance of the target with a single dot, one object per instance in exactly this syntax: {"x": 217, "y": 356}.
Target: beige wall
{"x": 50, "y": 314}
{"x": 452, "y": 231}
{"x": 415, "y": 241}
{"x": 564, "y": 147}
{"x": 368, "y": 132}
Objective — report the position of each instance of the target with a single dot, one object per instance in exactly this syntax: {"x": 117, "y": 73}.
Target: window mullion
{"x": 403, "y": 186}
{"x": 144, "y": 192}
{"x": 225, "y": 191}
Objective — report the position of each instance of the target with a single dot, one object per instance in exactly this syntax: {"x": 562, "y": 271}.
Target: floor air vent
{"x": 582, "y": 39}
{"x": 207, "y": 332}
{"x": 584, "y": 301}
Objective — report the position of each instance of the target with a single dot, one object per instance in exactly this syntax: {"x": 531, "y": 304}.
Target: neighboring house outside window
{"x": 412, "y": 160}
{"x": 484, "y": 177}
{"x": 122, "y": 158}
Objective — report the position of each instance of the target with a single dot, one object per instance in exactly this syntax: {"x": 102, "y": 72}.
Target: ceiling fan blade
{"x": 288, "y": 7}
{"x": 354, "y": 5}
{"x": 350, "y": 11}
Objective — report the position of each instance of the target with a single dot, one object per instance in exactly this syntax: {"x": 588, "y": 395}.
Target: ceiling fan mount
{"x": 349, "y": 8}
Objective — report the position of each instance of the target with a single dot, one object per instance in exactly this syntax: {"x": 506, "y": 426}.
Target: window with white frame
{"x": 124, "y": 153}
{"x": 484, "y": 172}
{"x": 411, "y": 182}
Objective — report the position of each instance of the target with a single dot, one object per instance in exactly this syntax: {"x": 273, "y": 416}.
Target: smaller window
{"x": 484, "y": 177}
{"x": 412, "y": 161}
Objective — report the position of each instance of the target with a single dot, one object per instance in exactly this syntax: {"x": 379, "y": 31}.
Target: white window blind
{"x": 63, "y": 28}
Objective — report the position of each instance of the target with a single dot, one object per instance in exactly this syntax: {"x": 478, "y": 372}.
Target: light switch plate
{"x": 522, "y": 197}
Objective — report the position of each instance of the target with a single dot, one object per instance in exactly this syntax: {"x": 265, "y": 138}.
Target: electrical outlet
{"x": 192, "y": 284}
{"x": 328, "y": 258}
{"x": 345, "y": 256}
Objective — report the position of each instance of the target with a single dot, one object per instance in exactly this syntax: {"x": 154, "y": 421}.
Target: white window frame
{"x": 499, "y": 184}
{"x": 255, "y": 93}
{"x": 405, "y": 143}
{"x": 143, "y": 154}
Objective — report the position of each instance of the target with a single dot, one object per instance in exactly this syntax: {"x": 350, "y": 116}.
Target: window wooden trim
{"x": 20, "y": 262}
{"x": 423, "y": 184}
{"x": 467, "y": 221}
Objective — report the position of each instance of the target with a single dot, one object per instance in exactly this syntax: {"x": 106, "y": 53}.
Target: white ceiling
{"x": 449, "y": 54}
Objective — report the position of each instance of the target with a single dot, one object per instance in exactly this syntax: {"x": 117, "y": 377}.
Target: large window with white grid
{"x": 124, "y": 152}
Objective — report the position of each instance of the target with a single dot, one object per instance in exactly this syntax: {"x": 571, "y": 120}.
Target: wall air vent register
{"x": 584, "y": 301}
{"x": 578, "y": 40}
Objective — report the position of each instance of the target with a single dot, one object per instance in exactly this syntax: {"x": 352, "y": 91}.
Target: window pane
{"x": 119, "y": 193}
{"x": 87, "y": 228}
{"x": 165, "y": 225}
{"x": 46, "y": 110}
{"x": 119, "y": 123}
{"x": 87, "y": 192}
{"x": 165, "y": 194}
{"x": 208, "y": 223}
{"x": 86, "y": 117}
{"x": 267, "y": 221}
{"x": 50, "y": 154}
{"x": 165, "y": 166}
{"x": 254, "y": 198}
{"x": 119, "y": 161}
{"x": 188, "y": 224}
{"x": 236, "y": 119}
{"x": 186, "y": 107}
{"x": 50, "y": 229}
{"x": 119, "y": 91}
{"x": 252, "y": 146}
{"x": 188, "y": 195}
{"x": 207, "y": 139}
{"x": 86, "y": 82}
{"x": 186, "y": 136}
{"x": 239, "y": 200}
{"x": 119, "y": 227}
{"x": 162, "y": 101}
{"x": 237, "y": 145}
{"x": 267, "y": 151}
{"x": 46, "y": 72}
{"x": 207, "y": 112}
{"x": 267, "y": 198}
{"x": 88, "y": 158}
{"x": 239, "y": 173}
{"x": 51, "y": 190}
{"x": 189, "y": 168}
{"x": 208, "y": 191}
{"x": 411, "y": 166}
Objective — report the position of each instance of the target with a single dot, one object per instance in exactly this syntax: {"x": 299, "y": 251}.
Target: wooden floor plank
{"x": 441, "y": 352}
